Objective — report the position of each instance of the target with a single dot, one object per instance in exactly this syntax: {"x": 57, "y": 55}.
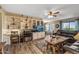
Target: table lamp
{"x": 77, "y": 36}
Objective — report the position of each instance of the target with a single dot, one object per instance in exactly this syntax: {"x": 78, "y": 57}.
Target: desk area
{"x": 21, "y": 37}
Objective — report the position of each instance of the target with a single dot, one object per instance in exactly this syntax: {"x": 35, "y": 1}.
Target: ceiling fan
{"x": 54, "y": 14}
{"x": 51, "y": 14}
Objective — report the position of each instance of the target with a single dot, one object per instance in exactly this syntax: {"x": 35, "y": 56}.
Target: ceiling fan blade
{"x": 56, "y": 12}
{"x": 54, "y": 15}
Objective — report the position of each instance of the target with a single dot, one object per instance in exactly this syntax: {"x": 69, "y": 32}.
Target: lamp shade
{"x": 77, "y": 36}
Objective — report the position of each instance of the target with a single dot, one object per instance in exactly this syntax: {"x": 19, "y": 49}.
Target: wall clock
{"x": 57, "y": 25}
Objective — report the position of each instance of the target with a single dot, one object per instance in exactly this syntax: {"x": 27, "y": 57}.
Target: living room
{"x": 39, "y": 29}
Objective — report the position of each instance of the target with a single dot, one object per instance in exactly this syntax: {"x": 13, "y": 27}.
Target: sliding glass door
{"x": 70, "y": 26}
{"x": 73, "y": 26}
{"x": 65, "y": 26}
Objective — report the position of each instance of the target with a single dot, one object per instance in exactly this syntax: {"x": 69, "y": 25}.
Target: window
{"x": 70, "y": 26}
{"x": 73, "y": 26}
{"x": 65, "y": 26}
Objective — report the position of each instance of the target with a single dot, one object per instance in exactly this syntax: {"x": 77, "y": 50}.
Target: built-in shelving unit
{"x": 16, "y": 22}
{"x": 20, "y": 22}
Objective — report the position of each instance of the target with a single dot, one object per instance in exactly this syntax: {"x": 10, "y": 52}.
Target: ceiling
{"x": 38, "y": 10}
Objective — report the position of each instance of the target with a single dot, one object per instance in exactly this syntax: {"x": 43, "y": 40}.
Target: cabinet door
{"x": 42, "y": 34}
{"x": 6, "y": 39}
{"x": 13, "y": 22}
{"x": 35, "y": 36}
{"x": 38, "y": 35}
{"x": 23, "y": 22}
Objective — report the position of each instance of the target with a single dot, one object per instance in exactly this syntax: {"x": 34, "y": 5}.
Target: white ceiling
{"x": 38, "y": 10}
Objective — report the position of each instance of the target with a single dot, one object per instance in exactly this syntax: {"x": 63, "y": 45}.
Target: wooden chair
{"x": 14, "y": 37}
{"x": 2, "y": 44}
{"x": 55, "y": 48}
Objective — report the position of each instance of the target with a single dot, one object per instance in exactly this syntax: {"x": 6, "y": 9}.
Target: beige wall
{"x": 57, "y": 22}
{"x": 0, "y": 28}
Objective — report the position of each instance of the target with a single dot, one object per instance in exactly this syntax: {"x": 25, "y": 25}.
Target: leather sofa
{"x": 67, "y": 34}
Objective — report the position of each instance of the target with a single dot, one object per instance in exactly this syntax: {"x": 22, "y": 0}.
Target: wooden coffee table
{"x": 57, "y": 43}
